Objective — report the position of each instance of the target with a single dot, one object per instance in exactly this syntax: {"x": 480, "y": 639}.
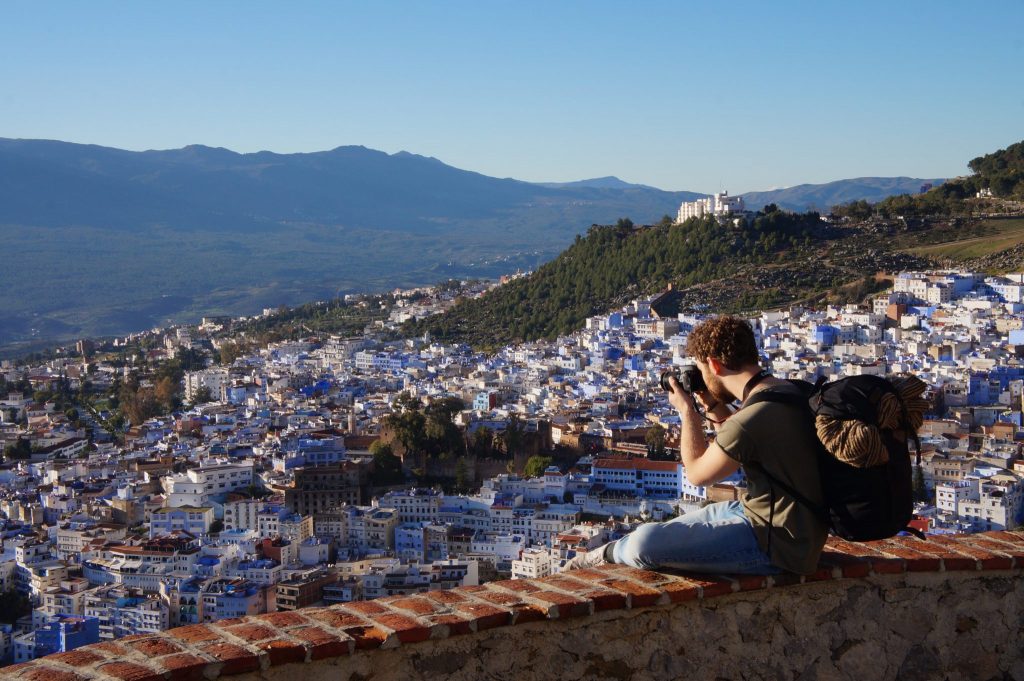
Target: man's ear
{"x": 716, "y": 366}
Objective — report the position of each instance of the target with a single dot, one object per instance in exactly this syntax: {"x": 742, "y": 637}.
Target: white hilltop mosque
{"x": 720, "y": 204}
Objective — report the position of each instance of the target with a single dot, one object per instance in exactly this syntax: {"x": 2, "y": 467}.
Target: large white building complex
{"x": 718, "y": 204}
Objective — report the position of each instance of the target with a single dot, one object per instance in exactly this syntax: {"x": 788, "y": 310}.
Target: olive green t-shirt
{"x": 776, "y": 437}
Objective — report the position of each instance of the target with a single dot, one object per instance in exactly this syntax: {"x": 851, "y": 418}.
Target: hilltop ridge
{"x": 101, "y": 241}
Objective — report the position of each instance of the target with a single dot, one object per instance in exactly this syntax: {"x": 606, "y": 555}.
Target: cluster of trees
{"x": 138, "y": 402}
{"x": 946, "y": 199}
{"x": 335, "y": 316}
{"x": 612, "y": 264}
{"x": 430, "y": 430}
{"x": 13, "y": 605}
{"x": 20, "y": 449}
{"x": 855, "y": 210}
{"x": 1002, "y": 171}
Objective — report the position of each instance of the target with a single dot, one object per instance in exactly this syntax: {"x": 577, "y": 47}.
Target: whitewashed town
{"x": 289, "y": 480}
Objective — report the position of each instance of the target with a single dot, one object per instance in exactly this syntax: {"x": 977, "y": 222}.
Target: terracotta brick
{"x": 498, "y": 597}
{"x": 680, "y": 590}
{"x": 995, "y": 549}
{"x": 948, "y": 558}
{"x": 567, "y": 582}
{"x": 888, "y": 565}
{"x": 524, "y": 613}
{"x": 850, "y": 566}
{"x": 365, "y": 608}
{"x": 566, "y": 606}
{"x": 283, "y": 652}
{"x": 752, "y": 582}
{"x": 446, "y": 597}
{"x": 13, "y": 670}
{"x": 785, "y": 579}
{"x": 605, "y": 599}
{"x": 407, "y": 629}
{"x": 1003, "y": 535}
{"x": 646, "y": 577}
{"x": 472, "y": 589}
{"x": 822, "y": 574}
{"x": 236, "y": 659}
{"x": 586, "y": 574}
{"x": 367, "y": 637}
{"x": 134, "y": 637}
{"x": 156, "y": 646}
{"x": 916, "y": 559}
{"x": 710, "y": 587}
{"x": 251, "y": 633}
{"x": 322, "y": 643}
{"x": 127, "y": 671}
{"x": 419, "y": 606}
{"x": 77, "y": 658}
{"x": 872, "y": 552}
{"x": 283, "y": 619}
{"x": 184, "y": 667}
{"x": 338, "y": 619}
{"x": 484, "y": 616}
{"x": 193, "y": 633}
{"x": 40, "y": 672}
{"x": 639, "y": 595}
{"x": 110, "y": 647}
{"x": 517, "y": 585}
{"x": 1008, "y": 544}
{"x": 456, "y": 626}
{"x": 986, "y": 560}
{"x": 520, "y": 611}
{"x": 853, "y": 549}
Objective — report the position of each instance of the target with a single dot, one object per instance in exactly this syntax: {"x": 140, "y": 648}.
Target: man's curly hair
{"x": 728, "y": 339}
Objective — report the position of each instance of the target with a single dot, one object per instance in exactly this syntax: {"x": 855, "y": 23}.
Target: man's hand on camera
{"x": 680, "y": 399}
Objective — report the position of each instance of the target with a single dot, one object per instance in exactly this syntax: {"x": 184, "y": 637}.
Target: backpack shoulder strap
{"x": 796, "y": 399}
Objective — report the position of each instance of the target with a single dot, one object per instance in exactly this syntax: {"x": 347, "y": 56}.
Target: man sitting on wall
{"x": 768, "y": 531}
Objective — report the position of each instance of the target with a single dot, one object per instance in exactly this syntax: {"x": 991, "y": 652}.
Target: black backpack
{"x": 865, "y": 502}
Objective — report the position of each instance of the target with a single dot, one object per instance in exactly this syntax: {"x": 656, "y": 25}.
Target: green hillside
{"x": 773, "y": 258}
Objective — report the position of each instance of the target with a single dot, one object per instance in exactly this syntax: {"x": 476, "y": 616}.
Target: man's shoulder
{"x": 775, "y": 401}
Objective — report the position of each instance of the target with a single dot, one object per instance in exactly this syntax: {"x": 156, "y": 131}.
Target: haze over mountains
{"x": 102, "y": 241}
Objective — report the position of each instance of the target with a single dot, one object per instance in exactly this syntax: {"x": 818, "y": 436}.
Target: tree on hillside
{"x": 536, "y": 465}
{"x": 19, "y": 450}
{"x": 513, "y": 436}
{"x": 166, "y": 393}
{"x": 482, "y": 442}
{"x": 655, "y": 441}
{"x": 202, "y": 396}
{"x": 387, "y": 468}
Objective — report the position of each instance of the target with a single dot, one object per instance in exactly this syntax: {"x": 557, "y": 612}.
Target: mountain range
{"x": 103, "y": 241}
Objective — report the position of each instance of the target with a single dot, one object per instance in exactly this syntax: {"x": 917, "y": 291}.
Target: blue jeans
{"x": 718, "y": 538}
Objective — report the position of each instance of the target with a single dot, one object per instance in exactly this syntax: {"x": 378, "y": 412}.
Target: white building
{"x": 534, "y": 563}
{"x": 216, "y": 380}
{"x": 717, "y": 204}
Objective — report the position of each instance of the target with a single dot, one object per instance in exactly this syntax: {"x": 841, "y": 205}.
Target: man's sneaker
{"x": 590, "y": 559}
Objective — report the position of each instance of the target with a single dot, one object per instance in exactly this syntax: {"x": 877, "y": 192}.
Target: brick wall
{"x": 900, "y": 608}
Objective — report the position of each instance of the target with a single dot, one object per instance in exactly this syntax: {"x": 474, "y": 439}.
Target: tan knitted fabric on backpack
{"x": 860, "y": 444}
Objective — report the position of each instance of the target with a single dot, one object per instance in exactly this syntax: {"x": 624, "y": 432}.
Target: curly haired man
{"x": 767, "y": 530}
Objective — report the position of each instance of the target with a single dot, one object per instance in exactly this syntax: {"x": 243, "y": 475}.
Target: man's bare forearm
{"x": 692, "y": 441}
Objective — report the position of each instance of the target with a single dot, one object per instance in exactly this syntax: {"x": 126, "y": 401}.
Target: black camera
{"x": 689, "y": 377}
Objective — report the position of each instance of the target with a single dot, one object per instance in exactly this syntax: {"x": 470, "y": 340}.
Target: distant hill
{"x": 609, "y": 182}
{"x": 102, "y": 241}
{"x": 821, "y": 197}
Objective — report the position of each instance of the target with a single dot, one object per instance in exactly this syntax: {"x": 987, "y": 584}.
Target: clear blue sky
{"x": 679, "y": 95}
